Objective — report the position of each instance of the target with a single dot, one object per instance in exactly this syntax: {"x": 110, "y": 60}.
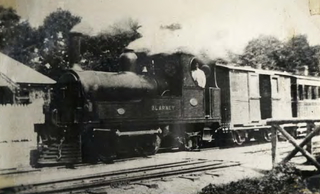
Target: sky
{"x": 211, "y": 27}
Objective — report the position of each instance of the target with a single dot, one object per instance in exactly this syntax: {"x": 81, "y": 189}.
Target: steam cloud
{"x": 227, "y": 28}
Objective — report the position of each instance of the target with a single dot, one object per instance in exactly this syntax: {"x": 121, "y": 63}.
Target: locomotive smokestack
{"x": 128, "y": 61}
{"x": 74, "y": 47}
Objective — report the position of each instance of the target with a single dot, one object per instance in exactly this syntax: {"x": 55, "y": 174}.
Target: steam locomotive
{"x": 154, "y": 101}
{"x": 105, "y": 114}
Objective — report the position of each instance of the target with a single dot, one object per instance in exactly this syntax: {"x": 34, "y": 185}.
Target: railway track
{"x": 84, "y": 182}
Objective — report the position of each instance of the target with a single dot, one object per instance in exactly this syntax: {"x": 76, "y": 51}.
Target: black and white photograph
{"x": 160, "y": 97}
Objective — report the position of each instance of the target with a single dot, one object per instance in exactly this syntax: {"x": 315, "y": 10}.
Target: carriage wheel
{"x": 249, "y": 136}
{"x": 293, "y": 132}
{"x": 238, "y": 137}
{"x": 265, "y": 135}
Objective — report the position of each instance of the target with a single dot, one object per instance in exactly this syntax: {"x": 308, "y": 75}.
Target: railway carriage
{"x": 250, "y": 96}
{"x": 306, "y": 96}
{"x": 305, "y": 99}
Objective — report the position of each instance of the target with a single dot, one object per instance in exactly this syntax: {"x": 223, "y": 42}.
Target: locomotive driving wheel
{"x": 238, "y": 137}
{"x": 103, "y": 146}
{"x": 152, "y": 145}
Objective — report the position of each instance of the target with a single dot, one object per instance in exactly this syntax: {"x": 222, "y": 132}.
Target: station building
{"x": 20, "y": 84}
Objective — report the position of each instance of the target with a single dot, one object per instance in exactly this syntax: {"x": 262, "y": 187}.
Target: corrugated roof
{"x": 20, "y": 73}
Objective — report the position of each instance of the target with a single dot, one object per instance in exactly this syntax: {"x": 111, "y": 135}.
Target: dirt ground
{"x": 254, "y": 159}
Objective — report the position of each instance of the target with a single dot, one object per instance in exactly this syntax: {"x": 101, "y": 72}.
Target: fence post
{"x": 310, "y": 126}
{"x": 300, "y": 149}
{"x": 302, "y": 144}
{"x": 274, "y": 141}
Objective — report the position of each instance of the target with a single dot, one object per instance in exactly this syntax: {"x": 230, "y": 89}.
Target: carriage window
{"x": 313, "y": 92}
{"x": 300, "y": 90}
{"x": 275, "y": 86}
{"x": 307, "y": 92}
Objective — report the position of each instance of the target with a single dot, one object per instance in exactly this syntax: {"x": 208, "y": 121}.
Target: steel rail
{"x": 108, "y": 178}
{"x": 132, "y": 170}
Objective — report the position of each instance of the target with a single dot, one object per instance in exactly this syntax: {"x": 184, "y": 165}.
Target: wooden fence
{"x": 16, "y": 121}
{"x": 312, "y": 130}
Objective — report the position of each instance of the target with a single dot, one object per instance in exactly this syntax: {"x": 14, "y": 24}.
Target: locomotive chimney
{"x": 304, "y": 70}
{"x": 128, "y": 61}
{"x": 74, "y": 48}
{"x": 259, "y": 66}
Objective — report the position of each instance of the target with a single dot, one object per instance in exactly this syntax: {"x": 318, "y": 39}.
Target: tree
{"x": 8, "y": 22}
{"x": 316, "y": 69}
{"x": 101, "y": 52}
{"x": 45, "y": 48}
{"x": 271, "y": 53}
{"x": 266, "y": 51}
{"x": 52, "y": 43}
{"x": 16, "y": 37}
{"x": 23, "y": 43}
{"x": 300, "y": 53}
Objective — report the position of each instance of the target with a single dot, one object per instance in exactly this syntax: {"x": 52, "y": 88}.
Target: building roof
{"x": 20, "y": 73}
{"x": 3, "y": 82}
{"x": 250, "y": 69}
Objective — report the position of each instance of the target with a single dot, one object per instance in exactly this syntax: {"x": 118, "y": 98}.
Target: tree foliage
{"x": 8, "y": 22}
{"x": 44, "y": 48}
{"x": 16, "y": 37}
{"x": 264, "y": 51}
{"x": 270, "y": 53}
{"x": 52, "y": 43}
{"x": 299, "y": 53}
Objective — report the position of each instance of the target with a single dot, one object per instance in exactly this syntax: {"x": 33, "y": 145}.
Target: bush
{"x": 284, "y": 179}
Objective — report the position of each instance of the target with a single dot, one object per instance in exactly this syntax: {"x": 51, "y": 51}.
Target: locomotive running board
{"x": 132, "y": 133}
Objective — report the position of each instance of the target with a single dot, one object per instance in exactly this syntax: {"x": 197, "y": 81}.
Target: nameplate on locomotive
{"x": 163, "y": 107}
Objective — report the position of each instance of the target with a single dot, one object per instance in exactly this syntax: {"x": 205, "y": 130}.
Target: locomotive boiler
{"x": 150, "y": 101}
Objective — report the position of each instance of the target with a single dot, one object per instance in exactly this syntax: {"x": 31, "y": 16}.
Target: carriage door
{"x": 265, "y": 93}
{"x": 294, "y": 97}
{"x": 254, "y": 98}
{"x": 275, "y": 95}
